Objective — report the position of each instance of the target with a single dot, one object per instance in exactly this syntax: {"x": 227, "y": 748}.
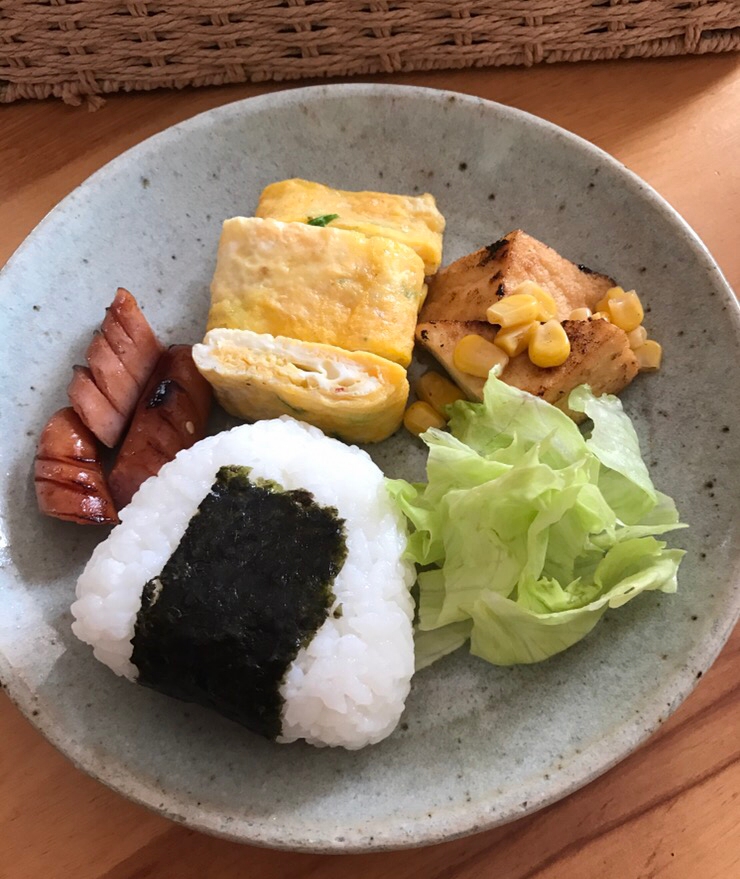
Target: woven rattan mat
{"x": 78, "y": 49}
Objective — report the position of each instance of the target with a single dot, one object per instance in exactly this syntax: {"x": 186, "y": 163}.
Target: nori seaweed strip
{"x": 248, "y": 585}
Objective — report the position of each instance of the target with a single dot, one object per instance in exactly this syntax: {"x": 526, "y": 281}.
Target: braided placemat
{"x": 77, "y": 49}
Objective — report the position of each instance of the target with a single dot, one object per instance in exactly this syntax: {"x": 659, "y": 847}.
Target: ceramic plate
{"x": 478, "y": 745}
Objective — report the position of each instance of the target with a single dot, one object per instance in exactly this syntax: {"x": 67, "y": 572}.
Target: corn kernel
{"x": 580, "y": 314}
{"x": 626, "y": 311}
{"x": 438, "y": 391}
{"x": 547, "y": 307}
{"x": 520, "y": 308}
{"x": 612, "y": 292}
{"x": 601, "y": 315}
{"x": 549, "y": 344}
{"x": 649, "y": 356}
{"x": 637, "y": 337}
{"x": 477, "y": 356}
{"x": 514, "y": 340}
{"x": 420, "y": 416}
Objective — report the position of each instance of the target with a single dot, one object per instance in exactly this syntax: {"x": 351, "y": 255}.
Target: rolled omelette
{"x": 408, "y": 219}
{"x": 354, "y": 395}
{"x": 318, "y": 285}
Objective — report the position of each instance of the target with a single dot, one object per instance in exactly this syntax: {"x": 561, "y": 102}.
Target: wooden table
{"x": 671, "y": 810}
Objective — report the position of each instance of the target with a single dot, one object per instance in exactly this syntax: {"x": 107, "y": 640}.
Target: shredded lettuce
{"x": 528, "y": 530}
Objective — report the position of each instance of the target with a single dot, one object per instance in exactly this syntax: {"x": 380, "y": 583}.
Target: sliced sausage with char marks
{"x": 171, "y": 415}
{"x": 120, "y": 357}
{"x": 68, "y": 474}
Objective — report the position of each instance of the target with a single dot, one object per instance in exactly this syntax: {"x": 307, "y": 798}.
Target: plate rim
{"x": 469, "y": 818}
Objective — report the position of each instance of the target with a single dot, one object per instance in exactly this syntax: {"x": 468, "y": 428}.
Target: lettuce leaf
{"x": 529, "y": 530}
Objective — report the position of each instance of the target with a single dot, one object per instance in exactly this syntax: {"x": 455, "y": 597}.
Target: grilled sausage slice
{"x": 120, "y": 358}
{"x": 68, "y": 474}
{"x": 171, "y": 415}
{"x": 94, "y": 409}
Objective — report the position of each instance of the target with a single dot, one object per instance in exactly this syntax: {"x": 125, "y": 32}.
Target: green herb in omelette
{"x": 322, "y": 220}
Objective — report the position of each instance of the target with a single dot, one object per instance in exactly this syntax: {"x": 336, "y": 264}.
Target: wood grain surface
{"x": 671, "y": 810}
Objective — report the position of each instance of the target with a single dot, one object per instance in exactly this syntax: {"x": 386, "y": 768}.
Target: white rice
{"x": 349, "y": 685}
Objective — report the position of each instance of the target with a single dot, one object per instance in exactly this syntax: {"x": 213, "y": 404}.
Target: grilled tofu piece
{"x": 465, "y": 289}
{"x": 408, "y": 219}
{"x": 600, "y": 356}
{"x": 439, "y": 338}
{"x": 460, "y": 294}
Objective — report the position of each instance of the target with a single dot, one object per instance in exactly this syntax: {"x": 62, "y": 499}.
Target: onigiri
{"x": 261, "y": 574}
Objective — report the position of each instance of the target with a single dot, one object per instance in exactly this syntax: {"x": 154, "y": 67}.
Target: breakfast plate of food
{"x": 368, "y": 461}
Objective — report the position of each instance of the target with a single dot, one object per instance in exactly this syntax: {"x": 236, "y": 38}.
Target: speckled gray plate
{"x": 478, "y": 745}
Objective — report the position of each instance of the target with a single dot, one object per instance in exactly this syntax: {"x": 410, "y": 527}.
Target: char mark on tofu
{"x": 493, "y": 251}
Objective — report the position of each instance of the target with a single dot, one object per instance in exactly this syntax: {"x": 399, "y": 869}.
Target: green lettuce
{"x": 527, "y": 530}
